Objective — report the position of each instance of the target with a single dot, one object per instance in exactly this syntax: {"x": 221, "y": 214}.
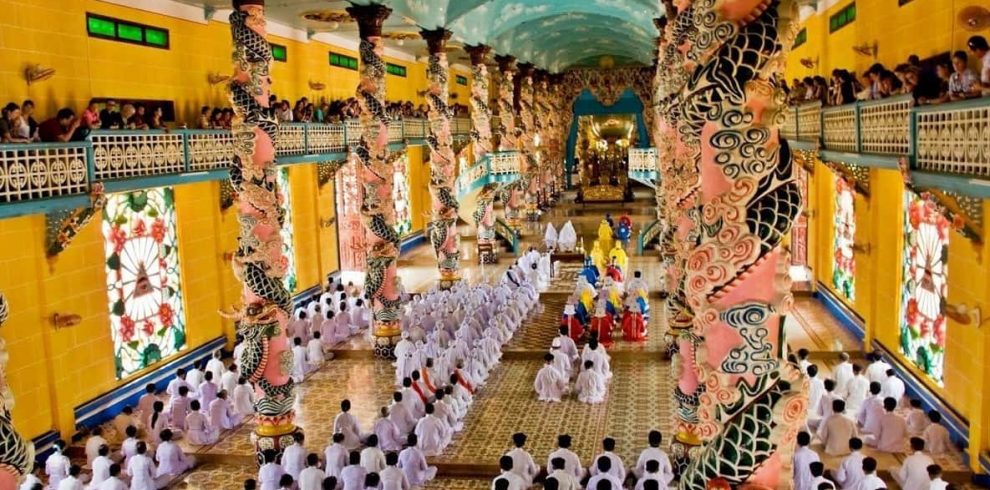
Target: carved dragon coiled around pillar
{"x": 16, "y": 453}
{"x": 443, "y": 227}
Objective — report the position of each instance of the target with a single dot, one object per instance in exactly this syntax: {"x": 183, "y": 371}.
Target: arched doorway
{"x": 586, "y": 106}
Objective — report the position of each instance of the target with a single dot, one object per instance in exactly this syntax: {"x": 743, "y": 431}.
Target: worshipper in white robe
{"x": 651, "y": 473}
{"x": 100, "y": 467}
{"x": 433, "y": 433}
{"x": 602, "y": 471}
{"x": 114, "y": 482}
{"x": 238, "y": 351}
{"x": 171, "y": 460}
{"x": 876, "y": 371}
{"x": 870, "y": 479}
{"x": 590, "y": 385}
{"x": 935, "y": 476}
{"x": 523, "y": 464}
{"x": 411, "y": 399}
{"x": 836, "y": 430}
{"x": 818, "y": 480}
{"x": 913, "y": 473}
{"x": 312, "y": 477}
{"x": 596, "y": 353}
{"x": 892, "y": 387}
{"x": 545, "y": 268}
{"x": 816, "y": 390}
{"x": 215, "y": 364}
{"x": 567, "y": 238}
{"x": 842, "y": 373}
{"x": 400, "y": 415}
{"x": 221, "y": 413}
{"x": 372, "y": 457}
{"x": 389, "y": 437}
{"x": 300, "y": 366}
{"x": 871, "y": 410}
{"x": 352, "y": 475}
{"x": 443, "y": 408}
{"x": 654, "y": 453}
{"x": 73, "y": 481}
{"x": 94, "y": 443}
{"x": 558, "y": 472}
{"x": 199, "y": 431}
{"x": 125, "y": 419}
{"x": 33, "y": 479}
{"x": 413, "y": 463}
{"x": 857, "y": 389}
{"x": 179, "y": 409}
{"x": 336, "y": 456}
{"x": 299, "y": 326}
{"x": 143, "y": 471}
{"x": 936, "y": 436}
{"x": 207, "y": 390}
{"x": 146, "y": 403}
{"x": 572, "y": 462}
{"x": 917, "y": 419}
{"x": 550, "y": 237}
{"x": 550, "y": 383}
{"x": 346, "y": 423}
{"x": 244, "y": 399}
{"x": 294, "y": 456}
{"x": 891, "y": 431}
{"x": 271, "y": 472}
{"x": 617, "y": 467}
{"x": 157, "y": 423}
{"x": 314, "y": 352}
{"x": 392, "y": 478}
{"x": 403, "y": 346}
{"x": 803, "y": 457}
{"x": 128, "y": 448}
{"x": 229, "y": 380}
{"x": 849, "y": 474}
{"x": 803, "y": 361}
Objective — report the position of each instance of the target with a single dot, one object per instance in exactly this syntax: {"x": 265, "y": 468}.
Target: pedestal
{"x": 449, "y": 278}
{"x": 680, "y": 451}
{"x": 385, "y": 335}
{"x": 276, "y": 437}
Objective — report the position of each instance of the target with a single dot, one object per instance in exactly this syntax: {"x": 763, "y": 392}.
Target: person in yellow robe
{"x": 598, "y": 257}
{"x": 618, "y": 255}
{"x": 605, "y": 235}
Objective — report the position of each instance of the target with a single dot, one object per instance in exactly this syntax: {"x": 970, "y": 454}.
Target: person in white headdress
{"x": 567, "y": 238}
{"x": 550, "y": 237}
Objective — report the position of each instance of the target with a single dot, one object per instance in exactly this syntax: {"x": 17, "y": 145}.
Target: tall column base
{"x": 449, "y": 278}
{"x": 277, "y": 437}
{"x": 680, "y": 451}
{"x": 385, "y": 335}
{"x": 487, "y": 252}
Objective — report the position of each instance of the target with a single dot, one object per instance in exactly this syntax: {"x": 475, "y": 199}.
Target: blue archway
{"x": 587, "y": 104}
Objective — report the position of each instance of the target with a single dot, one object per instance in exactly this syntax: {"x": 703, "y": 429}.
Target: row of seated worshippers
{"x": 591, "y": 370}
{"x": 859, "y": 407}
{"x": 564, "y": 241}
{"x": 564, "y": 470}
{"x": 613, "y": 303}
{"x": 336, "y": 315}
{"x": 537, "y": 268}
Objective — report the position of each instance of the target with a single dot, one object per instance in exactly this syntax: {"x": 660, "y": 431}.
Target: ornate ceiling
{"x": 553, "y": 34}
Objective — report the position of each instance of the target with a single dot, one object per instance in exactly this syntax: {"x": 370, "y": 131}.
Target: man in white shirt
{"x": 618, "y": 469}
{"x": 171, "y": 460}
{"x": 850, "y": 474}
{"x": 392, "y": 478}
{"x": 372, "y": 458}
{"x": 803, "y": 361}
{"x": 347, "y": 424}
{"x": 573, "y": 463}
{"x": 836, "y": 431}
{"x": 871, "y": 410}
{"x": 294, "y": 457}
{"x": 114, "y": 482}
{"x": 803, "y": 457}
{"x": 565, "y": 479}
{"x": 100, "y": 467}
{"x": 312, "y": 477}
{"x": 935, "y": 475}
{"x": 590, "y": 385}
{"x": 870, "y": 479}
{"x": 400, "y": 415}
{"x": 891, "y": 432}
{"x": 215, "y": 365}
{"x": 913, "y": 473}
{"x": 824, "y": 408}
{"x": 652, "y": 474}
{"x": 979, "y": 48}
{"x": 892, "y": 387}
{"x": 819, "y": 481}
{"x": 195, "y": 375}
{"x": 413, "y": 463}
{"x": 522, "y": 462}
{"x": 654, "y": 453}
{"x": 300, "y": 366}
{"x": 816, "y": 390}
{"x": 936, "y": 436}
{"x": 352, "y": 476}
{"x": 71, "y": 482}
{"x": 876, "y": 372}
{"x": 550, "y": 383}
{"x": 228, "y": 382}
{"x": 602, "y": 471}
{"x": 94, "y": 443}
{"x": 515, "y": 481}
{"x": 842, "y": 373}
{"x": 857, "y": 388}
{"x": 271, "y": 472}
{"x": 433, "y": 433}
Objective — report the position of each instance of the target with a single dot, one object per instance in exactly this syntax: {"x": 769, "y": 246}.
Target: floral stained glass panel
{"x": 923, "y": 285}
{"x": 844, "y": 259}
{"x": 147, "y": 317}
{"x": 288, "y": 244}
{"x": 400, "y": 196}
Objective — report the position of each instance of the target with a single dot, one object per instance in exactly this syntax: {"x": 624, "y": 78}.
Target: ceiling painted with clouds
{"x": 553, "y": 34}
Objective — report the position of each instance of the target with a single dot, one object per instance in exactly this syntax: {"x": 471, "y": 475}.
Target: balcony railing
{"x": 642, "y": 159}
{"x": 496, "y": 167}
{"x": 952, "y": 138}
{"x": 45, "y": 170}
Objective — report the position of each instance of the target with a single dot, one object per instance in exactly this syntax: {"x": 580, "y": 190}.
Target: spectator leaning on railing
{"x": 979, "y": 48}
{"x": 62, "y": 128}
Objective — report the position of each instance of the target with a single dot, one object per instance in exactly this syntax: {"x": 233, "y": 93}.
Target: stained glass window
{"x": 923, "y": 285}
{"x": 844, "y": 265}
{"x": 799, "y": 232}
{"x": 147, "y": 317}
{"x": 400, "y": 195}
{"x": 288, "y": 245}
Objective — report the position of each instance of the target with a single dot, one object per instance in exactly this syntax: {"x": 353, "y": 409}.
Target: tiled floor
{"x": 639, "y": 397}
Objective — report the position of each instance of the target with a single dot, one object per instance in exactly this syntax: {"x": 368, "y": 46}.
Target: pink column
{"x": 508, "y": 134}
{"x": 481, "y": 140}
{"x": 258, "y": 262}
{"x": 527, "y": 130}
{"x": 371, "y": 157}
{"x": 16, "y": 453}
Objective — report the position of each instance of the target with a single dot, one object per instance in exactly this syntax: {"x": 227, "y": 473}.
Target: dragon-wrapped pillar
{"x": 443, "y": 227}
{"x": 481, "y": 141}
{"x": 512, "y": 195}
{"x": 259, "y": 262}
{"x": 16, "y": 453}
{"x": 526, "y": 130}
{"x": 375, "y": 172}
{"x": 722, "y": 102}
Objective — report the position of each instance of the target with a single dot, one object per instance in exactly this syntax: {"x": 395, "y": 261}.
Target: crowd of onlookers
{"x": 929, "y": 83}
{"x": 336, "y": 111}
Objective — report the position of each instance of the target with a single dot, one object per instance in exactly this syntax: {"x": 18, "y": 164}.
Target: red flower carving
{"x": 139, "y": 228}
{"x": 940, "y": 331}
{"x": 912, "y": 312}
{"x": 126, "y": 328}
{"x": 148, "y": 328}
{"x": 158, "y": 230}
{"x": 166, "y": 315}
{"x": 118, "y": 237}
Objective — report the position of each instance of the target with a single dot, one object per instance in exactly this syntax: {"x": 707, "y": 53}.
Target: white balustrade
{"x": 210, "y": 149}
{"x": 643, "y": 159}
{"x": 840, "y": 128}
{"x": 291, "y": 139}
{"x": 41, "y": 171}
{"x": 124, "y": 154}
{"x": 504, "y": 162}
{"x": 809, "y": 121}
{"x": 954, "y": 138}
{"x": 885, "y": 126}
{"x": 325, "y": 138}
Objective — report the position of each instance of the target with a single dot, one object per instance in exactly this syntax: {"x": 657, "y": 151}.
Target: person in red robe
{"x": 601, "y": 325}
{"x": 570, "y": 320}
{"x": 633, "y": 326}
{"x": 614, "y": 272}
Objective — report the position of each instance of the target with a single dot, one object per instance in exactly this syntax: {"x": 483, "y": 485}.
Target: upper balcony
{"x": 42, "y": 177}
{"x": 945, "y": 145}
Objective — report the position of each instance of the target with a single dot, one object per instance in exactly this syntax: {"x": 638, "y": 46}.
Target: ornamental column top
{"x": 369, "y": 18}
{"x": 526, "y": 69}
{"x": 506, "y": 62}
{"x": 478, "y": 53}
{"x": 436, "y": 39}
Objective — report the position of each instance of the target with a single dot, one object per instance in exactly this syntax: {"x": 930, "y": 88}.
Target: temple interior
{"x": 397, "y": 244}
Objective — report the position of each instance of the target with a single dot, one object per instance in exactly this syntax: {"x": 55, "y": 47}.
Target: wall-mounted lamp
{"x": 318, "y": 86}
{"x": 216, "y": 78}
{"x": 228, "y": 256}
{"x": 809, "y": 213}
{"x": 37, "y": 73}
{"x": 809, "y": 63}
{"x": 965, "y": 315}
{"x": 65, "y": 320}
{"x": 867, "y": 49}
{"x": 862, "y": 248}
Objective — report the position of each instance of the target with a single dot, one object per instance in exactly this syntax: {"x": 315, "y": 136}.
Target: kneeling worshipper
{"x": 199, "y": 431}
{"x": 601, "y": 325}
{"x": 638, "y": 289}
{"x": 347, "y": 424}
{"x": 598, "y": 258}
{"x": 570, "y": 319}
{"x": 590, "y": 385}
{"x": 590, "y": 271}
{"x": 561, "y": 361}
{"x": 633, "y": 326}
{"x": 550, "y": 237}
{"x": 612, "y": 296}
{"x": 567, "y": 238}
{"x": 614, "y": 271}
{"x": 605, "y": 234}
{"x": 550, "y": 384}
{"x": 586, "y": 293}
{"x": 432, "y": 432}
{"x": 412, "y": 461}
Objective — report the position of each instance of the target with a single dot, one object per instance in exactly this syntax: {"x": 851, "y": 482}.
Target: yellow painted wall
{"x": 419, "y": 191}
